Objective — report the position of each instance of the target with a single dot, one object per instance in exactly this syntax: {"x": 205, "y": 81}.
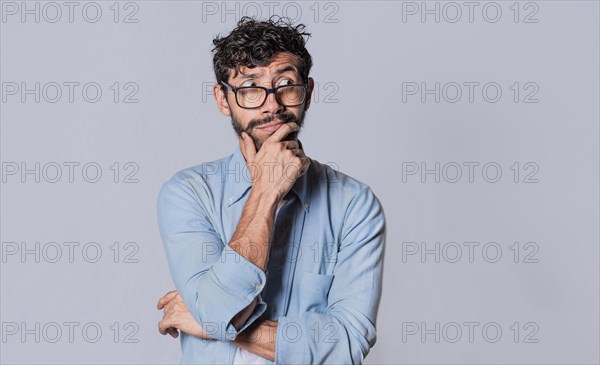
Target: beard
{"x": 285, "y": 117}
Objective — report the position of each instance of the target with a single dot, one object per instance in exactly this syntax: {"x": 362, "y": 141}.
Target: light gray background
{"x": 363, "y": 53}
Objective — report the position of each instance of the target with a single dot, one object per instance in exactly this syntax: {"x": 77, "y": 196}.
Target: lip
{"x": 271, "y": 127}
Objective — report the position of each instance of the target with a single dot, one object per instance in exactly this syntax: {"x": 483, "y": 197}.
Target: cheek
{"x": 298, "y": 111}
{"x": 241, "y": 117}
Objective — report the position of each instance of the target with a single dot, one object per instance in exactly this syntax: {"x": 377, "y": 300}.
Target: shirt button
{"x": 257, "y": 286}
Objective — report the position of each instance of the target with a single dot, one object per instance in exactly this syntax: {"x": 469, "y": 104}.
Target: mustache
{"x": 284, "y": 117}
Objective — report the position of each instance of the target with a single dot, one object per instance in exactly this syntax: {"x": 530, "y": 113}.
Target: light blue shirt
{"x": 323, "y": 279}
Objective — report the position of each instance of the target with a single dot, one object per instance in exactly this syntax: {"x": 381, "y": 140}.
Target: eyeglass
{"x": 252, "y": 97}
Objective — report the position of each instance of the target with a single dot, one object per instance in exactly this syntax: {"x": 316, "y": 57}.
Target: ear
{"x": 221, "y": 99}
{"x": 311, "y": 86}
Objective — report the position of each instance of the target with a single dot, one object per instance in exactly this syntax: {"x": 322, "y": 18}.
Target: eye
{"x": 285, "y": 82}
{"x": 248, "y": 83}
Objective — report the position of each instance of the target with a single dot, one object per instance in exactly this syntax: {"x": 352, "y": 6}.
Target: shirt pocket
{"x": 314, "y": 290}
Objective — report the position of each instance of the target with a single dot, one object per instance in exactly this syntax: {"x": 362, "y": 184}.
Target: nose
{"x": 271, "y": 105}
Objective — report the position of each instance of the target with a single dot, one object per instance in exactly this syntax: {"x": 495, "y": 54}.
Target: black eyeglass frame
{"x": 268, "y": 91}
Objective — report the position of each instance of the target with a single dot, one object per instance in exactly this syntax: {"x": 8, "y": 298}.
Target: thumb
{"x": 247, "y": 147}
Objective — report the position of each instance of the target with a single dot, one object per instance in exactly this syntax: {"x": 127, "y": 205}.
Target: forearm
{"x": 241, "y": 318}
{"x": 251, "y": 239}
{"x": 253, "y": 233}
{"x": 260, "y": 339}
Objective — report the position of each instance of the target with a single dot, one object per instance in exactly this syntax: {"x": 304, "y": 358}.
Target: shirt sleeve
{"x": 344, "y": 332}
{"x": 215, "y": 282}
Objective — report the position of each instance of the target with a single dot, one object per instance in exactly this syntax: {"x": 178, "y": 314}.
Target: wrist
{"x": 259, "y": 338}
{"x": 261, "y": 331}
{"x": 265, "y": 199}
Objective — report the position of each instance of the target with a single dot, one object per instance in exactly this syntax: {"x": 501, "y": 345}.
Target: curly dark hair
{"x": 254, "y": 43}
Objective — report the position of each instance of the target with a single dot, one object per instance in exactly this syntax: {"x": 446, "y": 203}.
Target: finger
{"x": 305, "y": 164}
{"x": 166, "y": 298}
{"x": 291, "y": 145}
{"x": 283, "y": 131}
{"x": 247, "y": 147}
{"x": 166, "y": 326}
{"x": 296, "y": 152}
{"x": 173, "y": 332}
{"x": 299, "y": 152}
{"x": 162, "y": 326}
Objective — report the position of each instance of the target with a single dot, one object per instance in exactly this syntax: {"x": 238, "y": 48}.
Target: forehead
{"x": 280, "y": 62}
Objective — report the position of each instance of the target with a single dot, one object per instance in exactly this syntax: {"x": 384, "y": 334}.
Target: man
{"x": 275, "y": 256}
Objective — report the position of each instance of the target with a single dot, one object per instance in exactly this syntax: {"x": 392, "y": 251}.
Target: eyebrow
{"x": 277, "y": 72}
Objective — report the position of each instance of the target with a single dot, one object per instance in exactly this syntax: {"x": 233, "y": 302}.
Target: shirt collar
{"x": 238, "y": 181}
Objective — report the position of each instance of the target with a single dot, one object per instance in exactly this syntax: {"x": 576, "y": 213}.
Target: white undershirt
{"x": 243, "y": 357}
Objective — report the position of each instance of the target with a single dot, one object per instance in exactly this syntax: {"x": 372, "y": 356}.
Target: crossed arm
{"x": 344, "y": 331}
{"x": 258, "y": 338}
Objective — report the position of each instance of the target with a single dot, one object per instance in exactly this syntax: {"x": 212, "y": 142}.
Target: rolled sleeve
{"x": 240, "y": 281}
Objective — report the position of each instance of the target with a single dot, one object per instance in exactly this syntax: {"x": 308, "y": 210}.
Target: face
{"x": 262, "y": 122}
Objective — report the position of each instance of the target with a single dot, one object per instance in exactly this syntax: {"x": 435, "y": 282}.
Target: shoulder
{"x": 196, "y": 181}
{"x": 355, "y": 212}
{"x": 205, "y": 171}
{"x": 343, "y": 190}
